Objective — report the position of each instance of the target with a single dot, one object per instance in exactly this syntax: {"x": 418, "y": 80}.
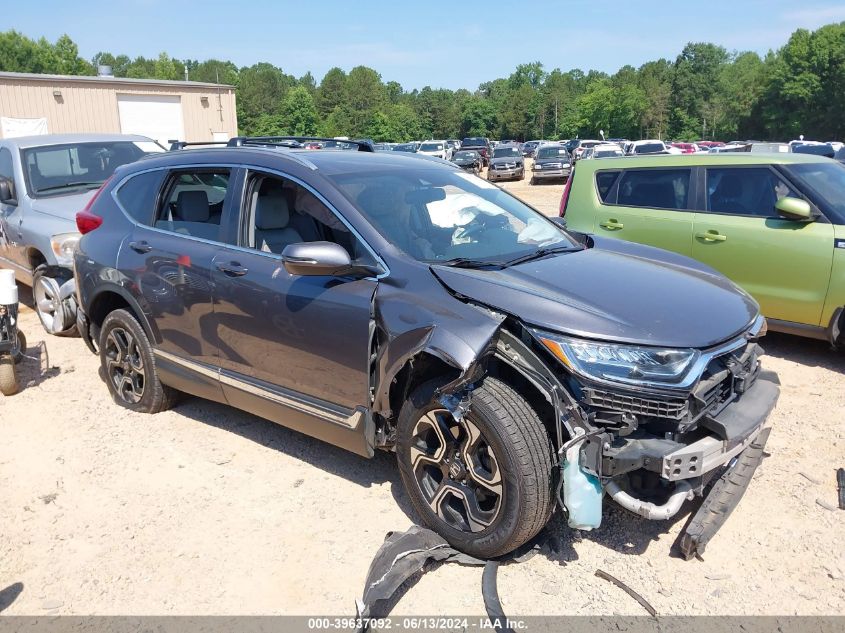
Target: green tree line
{"x": 706, "y": 92}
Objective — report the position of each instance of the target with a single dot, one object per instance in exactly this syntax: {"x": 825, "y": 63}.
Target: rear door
{"x": 784, "y": 265}
{"x": 651, "y": 206}
{"x": 168, "y": 256}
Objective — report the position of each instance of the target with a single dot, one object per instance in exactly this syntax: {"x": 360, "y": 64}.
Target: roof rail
{"x": 288, "y": 141}
{"x": 175, "y": 145}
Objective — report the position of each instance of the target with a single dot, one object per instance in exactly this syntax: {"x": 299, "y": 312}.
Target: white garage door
{"x": 158, "y": 117}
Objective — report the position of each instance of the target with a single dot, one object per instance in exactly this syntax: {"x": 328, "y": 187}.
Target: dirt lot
{"x": 207, "y": 510}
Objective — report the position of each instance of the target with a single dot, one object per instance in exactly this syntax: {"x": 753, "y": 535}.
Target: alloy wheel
{"x": 49, "y": 304}
{"x": 125, "y": 365}
{"x": 456, "y": 471}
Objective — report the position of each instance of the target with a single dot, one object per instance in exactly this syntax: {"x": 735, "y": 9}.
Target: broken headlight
{"x": 630, "y": 364}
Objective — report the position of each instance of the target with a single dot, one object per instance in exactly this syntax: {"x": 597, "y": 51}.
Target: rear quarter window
{"x": 654, "y": 188}
{"x": 139, "y": 194}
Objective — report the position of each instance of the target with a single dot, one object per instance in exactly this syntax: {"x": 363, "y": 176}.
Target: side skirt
{"x": 350, "y": 429}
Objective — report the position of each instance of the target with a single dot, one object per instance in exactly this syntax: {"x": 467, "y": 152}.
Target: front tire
{"x": 52, "y": 311}
{"x": 128, "y": 365}
{"x": 484, "y": 483}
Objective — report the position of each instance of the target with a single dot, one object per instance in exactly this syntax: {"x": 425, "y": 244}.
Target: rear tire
{"x": 128, "y": 365}
{"x": 500, "y": 456}
{"x": 8, "y": 375}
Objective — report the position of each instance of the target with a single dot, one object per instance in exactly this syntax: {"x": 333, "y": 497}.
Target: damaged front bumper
{"x": 716, "y": 441}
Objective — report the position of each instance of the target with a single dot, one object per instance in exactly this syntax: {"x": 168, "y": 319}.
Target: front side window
{"x": 283, "y": 212}
{"x": 745, "y": 191}
{"x": 437, "y": 215}
{"x": 138, "y": 195}
{"x": 193, "y": 203}
{"x": 654, "y": 188}
{"x": 75, "y": 167}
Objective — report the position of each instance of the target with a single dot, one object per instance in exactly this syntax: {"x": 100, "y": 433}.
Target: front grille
{"x": 726, "y": 377}
{"x": 672, "y": 409}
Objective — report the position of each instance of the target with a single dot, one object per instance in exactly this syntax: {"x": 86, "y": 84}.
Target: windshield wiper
{"x": 463, "y": 262}
{"x": 72, "y": 184}
{"x": 541, "y": 252}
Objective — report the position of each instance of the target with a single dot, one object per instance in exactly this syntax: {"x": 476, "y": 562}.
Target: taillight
{"x": 564, "y": 199}
{"x": 86, "y": 221}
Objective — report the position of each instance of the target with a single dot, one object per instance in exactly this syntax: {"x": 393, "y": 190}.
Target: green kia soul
{"x": 773, "y": 223}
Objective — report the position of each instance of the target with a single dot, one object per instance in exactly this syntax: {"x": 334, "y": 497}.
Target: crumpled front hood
{"x": 614, "y": 293}
{"x": 65, "y": 207}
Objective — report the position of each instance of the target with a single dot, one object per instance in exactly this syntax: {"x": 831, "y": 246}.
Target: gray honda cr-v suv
{"x": 377, "y": 301}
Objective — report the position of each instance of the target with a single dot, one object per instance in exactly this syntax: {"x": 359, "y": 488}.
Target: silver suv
{"x": 44, "y": 182}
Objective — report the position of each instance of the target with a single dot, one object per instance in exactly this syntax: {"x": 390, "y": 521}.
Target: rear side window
{"x": 138, "y": 195}
{"x": 193, "y": 203}
{"x": 604, "y": 183}
{"x": 654, "y": 188}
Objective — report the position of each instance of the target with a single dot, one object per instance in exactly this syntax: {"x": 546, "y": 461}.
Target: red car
{"x": 686, "y": 148}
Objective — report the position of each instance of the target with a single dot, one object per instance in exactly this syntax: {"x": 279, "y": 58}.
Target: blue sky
{"x": 454, "y": 44}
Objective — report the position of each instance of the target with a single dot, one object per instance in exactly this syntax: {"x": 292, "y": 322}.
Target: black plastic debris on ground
{"x": 405, "y": 556}
{"x": 840, "y": 480}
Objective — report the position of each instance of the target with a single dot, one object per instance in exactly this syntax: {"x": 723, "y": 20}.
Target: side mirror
{"x": 794, "y": 209}
{"x": 7, "y": 193}
{"x": 316, "y": 258}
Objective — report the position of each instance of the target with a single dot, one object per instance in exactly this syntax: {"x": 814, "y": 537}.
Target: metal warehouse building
{"x": 161, "y": 110}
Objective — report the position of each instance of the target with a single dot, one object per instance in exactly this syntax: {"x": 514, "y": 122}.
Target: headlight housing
{"x": 63, "y": 245}
{"x": 619, "y": 363}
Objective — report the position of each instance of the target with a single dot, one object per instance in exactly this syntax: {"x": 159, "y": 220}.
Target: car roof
{"x": 327, "y": 161}
{"x": 727, "y": 158}
{"x": 66, "y": 139}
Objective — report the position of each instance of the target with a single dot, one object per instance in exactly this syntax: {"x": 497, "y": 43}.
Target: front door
{"x": 784, "y": 265}
{"x": 288, "y": 337}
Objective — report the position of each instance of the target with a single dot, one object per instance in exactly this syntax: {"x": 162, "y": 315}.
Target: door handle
{"x": 232, "y": 269}
{"x": 611, "y": 224}
{"x": 140, "y": 247}
{"x": 712, "y": 236}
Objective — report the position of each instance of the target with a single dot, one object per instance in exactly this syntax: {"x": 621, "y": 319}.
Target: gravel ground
{"x": 208, "y": 510}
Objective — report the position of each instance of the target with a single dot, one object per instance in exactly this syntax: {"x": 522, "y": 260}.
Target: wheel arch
{"x": 110, "y": 298}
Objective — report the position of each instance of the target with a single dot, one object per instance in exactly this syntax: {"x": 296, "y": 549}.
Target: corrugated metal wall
{"x": 86, "y": 106}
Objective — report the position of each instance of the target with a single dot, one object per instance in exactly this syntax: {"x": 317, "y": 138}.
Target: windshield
{"x": 431, "y": 147}
{"x": 649, "y": 148}
{"x": 437, "y": 215}
{"x": 466, "y": 155}
{"x": 607, "y": 153}
{"x": 825, "y": 185}
{"x": 474, "y": 141}
{"x": 552, "y": 152}
{"x": 506, "y": 152}
{"x": 62, "y": 169}
{"x": 407, "y": 147}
